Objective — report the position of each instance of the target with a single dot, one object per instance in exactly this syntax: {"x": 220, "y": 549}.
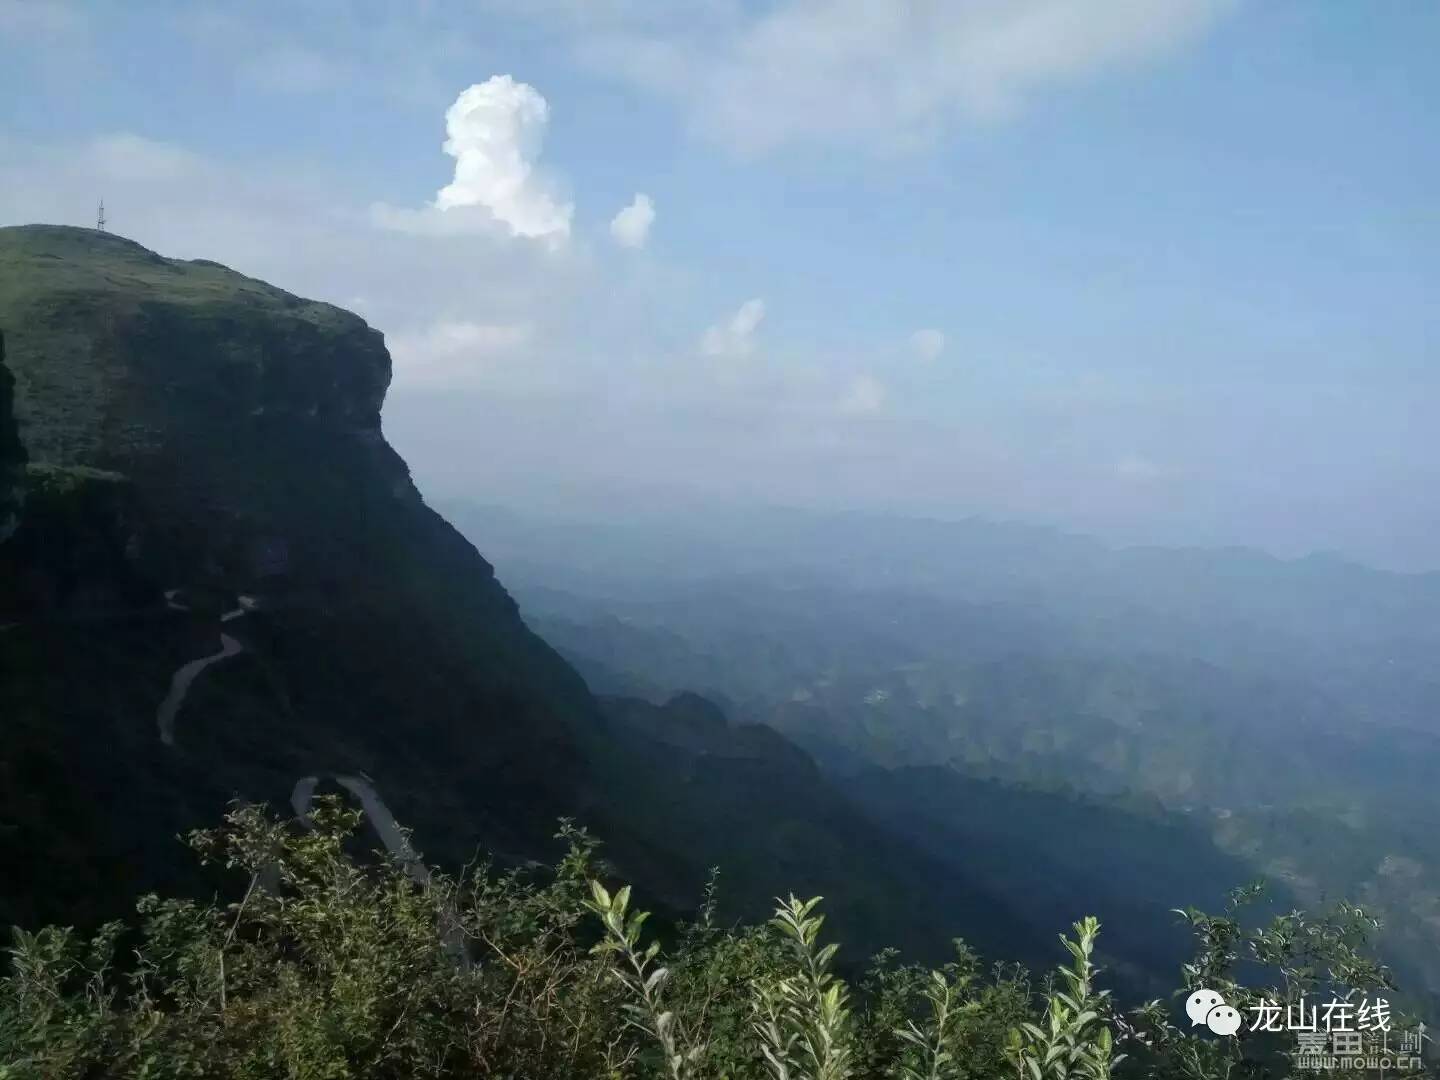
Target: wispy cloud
{"x": 875, "y": 75}
{"x": 865, "y": 394}
{"x": 927, "y": 344}
{"x": 452, "y": 353}
{"x": 736, "y": 335}
{"x": 1135, "y": 467}
{"x": 127, "y": 156}
{"x": 295, "y": 69}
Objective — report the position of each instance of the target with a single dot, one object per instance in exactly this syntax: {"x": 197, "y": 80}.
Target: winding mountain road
{"x": 396, "y": 842}
{"x": 180, "y": 686}
{"x": 395, "y": 839}
{"x": 376, "y": 812}
{"x": 187, "y": 673}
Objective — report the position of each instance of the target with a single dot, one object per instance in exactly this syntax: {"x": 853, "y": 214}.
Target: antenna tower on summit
{"x": 100, "y": 217}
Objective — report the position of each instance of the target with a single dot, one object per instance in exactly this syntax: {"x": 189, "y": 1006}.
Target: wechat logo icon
{"x": 1209, "y": 1008}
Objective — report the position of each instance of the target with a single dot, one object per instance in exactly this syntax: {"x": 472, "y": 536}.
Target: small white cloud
{"x": 736, "y": 335}
{"x": 452, "y": 352}
{"x": 631, "y": 226}
{"x": 494, "y": 131}
{"x": 927, "y": 344}
{"x": 866, "y": 394}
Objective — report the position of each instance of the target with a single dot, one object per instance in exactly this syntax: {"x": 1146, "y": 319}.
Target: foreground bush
{"x": 325, "y": 967}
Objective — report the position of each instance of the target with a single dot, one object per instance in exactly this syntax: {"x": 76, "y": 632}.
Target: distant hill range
{"x": 1288, "y": 710}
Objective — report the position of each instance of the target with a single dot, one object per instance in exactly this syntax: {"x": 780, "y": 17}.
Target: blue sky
{"x": 1160, "y": 270}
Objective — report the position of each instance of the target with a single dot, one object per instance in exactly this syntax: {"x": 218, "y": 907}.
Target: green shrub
{"x": 326, "y": 966}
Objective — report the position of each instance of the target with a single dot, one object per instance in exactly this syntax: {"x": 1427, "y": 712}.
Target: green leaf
{"x": 601, "y": 895}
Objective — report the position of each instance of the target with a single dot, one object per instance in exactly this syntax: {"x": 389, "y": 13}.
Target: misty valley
{"x": 972, "y": 681}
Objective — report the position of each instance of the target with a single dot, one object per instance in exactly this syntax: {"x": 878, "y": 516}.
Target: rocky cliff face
{"x": 247, "y": 415}
{"x": 207, "y": 474}
{"x": 138, "y": 348}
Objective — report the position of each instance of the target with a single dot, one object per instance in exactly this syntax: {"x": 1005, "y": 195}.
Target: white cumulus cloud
{"x": 736, "y": 335}
{"x": 631, "y": 226}
{"x": 927, "y": 344}
{"x": 494, "y": 131}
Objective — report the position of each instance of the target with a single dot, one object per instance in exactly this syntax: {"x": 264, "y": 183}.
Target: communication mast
{"x": 100, "y": 217}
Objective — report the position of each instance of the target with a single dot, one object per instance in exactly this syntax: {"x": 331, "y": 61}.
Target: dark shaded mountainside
{"x": 221, "y": 581}
{"x": 194, "y": 438}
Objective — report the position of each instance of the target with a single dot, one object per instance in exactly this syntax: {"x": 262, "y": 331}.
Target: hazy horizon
{"x": 1160, "y": 274}
{"x": 640, "y": 505}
